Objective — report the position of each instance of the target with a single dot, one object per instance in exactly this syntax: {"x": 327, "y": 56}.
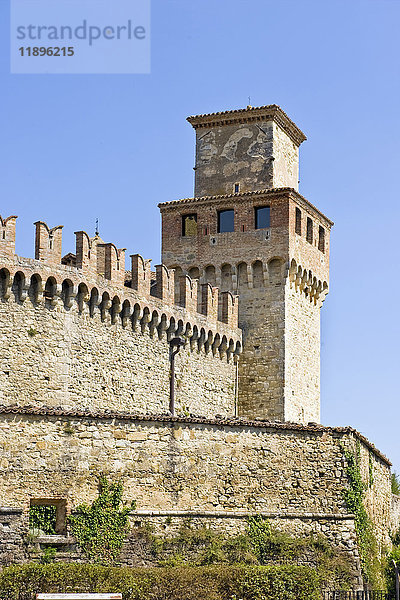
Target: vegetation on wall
{"x": 283, "y": 582}
{"x": 260, "y": 544}
{"x": 354, "y": 496}
{"x": 100, "y": 529}
{"x": 42, "y": 519}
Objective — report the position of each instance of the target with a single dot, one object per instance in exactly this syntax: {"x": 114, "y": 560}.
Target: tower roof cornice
{"x": 251, "y": 114}
{"x": 243, "y": 197}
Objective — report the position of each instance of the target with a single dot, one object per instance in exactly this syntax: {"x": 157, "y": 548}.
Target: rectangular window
{"x": 189, "y": 225}
{"x": 262, "y": 217}
{"x": 321, "y": 239}
{"x": 298, "y": 221}
{"x": 309, "y": 236}
{"x": 226, "y": 221}
{"x": 236, "y": 188}
{"x": 47, "y": 517}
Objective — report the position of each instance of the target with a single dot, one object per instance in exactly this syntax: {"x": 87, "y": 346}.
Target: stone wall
{"x": 286, "y": 160}
{"x": 188, "y": 465}
{"x": 63, "y": 357}
{"x": 13, "y": 533}
{"x": 395, "y": 513}
{"x": 302, "y": 357}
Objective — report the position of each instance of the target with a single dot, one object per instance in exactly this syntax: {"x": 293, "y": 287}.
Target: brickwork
{"x": 281, "y": 280}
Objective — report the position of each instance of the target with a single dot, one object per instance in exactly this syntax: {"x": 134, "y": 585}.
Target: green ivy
{"x": 259, "y": 532}
{"x": 100, "y": 528}
{"x": 43, "y": 519}
{"x": 366, "y": 540}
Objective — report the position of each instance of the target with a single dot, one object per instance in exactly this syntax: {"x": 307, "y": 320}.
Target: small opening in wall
{"x": 47, "y": 516}
{"x": 321, "y": 239}
{"x": 4, "y": 235}
{"x": 242, "y": 227}
{"x": 205, "y": 230}
{"x": 309, "y": 236}
{"x": 298, "y": 221}
{"x": 237, "y": 188}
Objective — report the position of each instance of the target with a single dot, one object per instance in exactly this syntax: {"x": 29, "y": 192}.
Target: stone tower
{"x": 249, "y": 231}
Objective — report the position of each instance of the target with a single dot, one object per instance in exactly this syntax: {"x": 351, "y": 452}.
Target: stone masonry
{"x": 85, "y": 365}
{"x": 279, "y": 268}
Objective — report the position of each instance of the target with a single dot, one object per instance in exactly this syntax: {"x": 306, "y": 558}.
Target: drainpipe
{"x": 175, "y": 345}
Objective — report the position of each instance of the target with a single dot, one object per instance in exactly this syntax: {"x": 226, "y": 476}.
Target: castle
{"x": 85, "y": 360}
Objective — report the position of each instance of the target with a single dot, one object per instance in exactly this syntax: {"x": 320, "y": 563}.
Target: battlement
{"x": 95, "y": 280}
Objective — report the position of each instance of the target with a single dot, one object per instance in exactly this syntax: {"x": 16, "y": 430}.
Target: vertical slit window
{"x": 321, "y": 239}
{"x": 298, "y": 221}
{"x": 309, "y": 230}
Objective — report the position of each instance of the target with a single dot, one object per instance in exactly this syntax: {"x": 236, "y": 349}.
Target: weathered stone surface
{"x": 58, "y": 356}
{"x": 85, "y": 363}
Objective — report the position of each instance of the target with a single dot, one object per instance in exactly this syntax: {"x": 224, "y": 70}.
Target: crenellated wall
{"x": 95, "y": 336}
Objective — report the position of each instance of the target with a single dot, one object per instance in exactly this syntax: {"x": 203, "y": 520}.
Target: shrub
{"x": 179, "y": 583}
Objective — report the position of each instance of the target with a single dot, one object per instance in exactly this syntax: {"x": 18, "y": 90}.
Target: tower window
{"x": 226, "y": 221}
{"x": 321, "y": 239}
{"x": 298, "y": 221}
{"x": 262, "y": 217}
{"x": 189, "y": 225}
{"x": 237, "y": 187}
{"x": 309, "y": 236}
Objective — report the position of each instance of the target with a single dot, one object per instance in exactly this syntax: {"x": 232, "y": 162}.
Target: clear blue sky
{"x": 77, "y": 147}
